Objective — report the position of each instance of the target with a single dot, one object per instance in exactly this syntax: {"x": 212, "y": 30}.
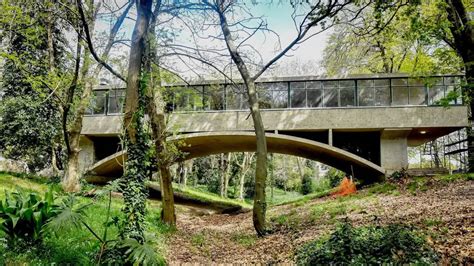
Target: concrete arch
{"x": 203, "y": 144}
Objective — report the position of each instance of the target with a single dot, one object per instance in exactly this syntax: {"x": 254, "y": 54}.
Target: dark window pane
{"x": 330, "y": 98}
{"x": 181, "y": 99}
{"x": 382, "y": 96}
{"x": 313, "y": 85}
{"x": 280, "y": 99}
{"x": 298, "y": 98}
{"x": 329, "y": 84}
{"x": 98, "y": 102}
{"x": 214, "y": 97}
{"x": 347, "y": 97}
{"x": 264, "y": 98}
{"x": 399, "y": 82}
{"x": 346, "y": 83}
{"x": 400, "y": 95}
{"x": 381, "y": 82}
{"x": 436, "y": 93}
{"x": 315, "y": 98}
{"x": 116, "y": 101}
{"x": 366, "y": 96}
{"x": 417, "y": 95}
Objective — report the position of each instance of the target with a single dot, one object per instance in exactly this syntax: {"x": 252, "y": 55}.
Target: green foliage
{"x": 30, "y": 114}
{"x": 399, "y": 175}
{"x": 306, "y": 185}
{"x": 371, "y": 245}
{"x": 23, "y": 215}
{"x": 335, "y": 177}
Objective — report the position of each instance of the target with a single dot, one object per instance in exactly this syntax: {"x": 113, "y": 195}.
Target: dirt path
{"x": 446, "y": 212}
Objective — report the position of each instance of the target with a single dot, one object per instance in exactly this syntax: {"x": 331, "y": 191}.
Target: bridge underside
{"x": 204, "y": 144}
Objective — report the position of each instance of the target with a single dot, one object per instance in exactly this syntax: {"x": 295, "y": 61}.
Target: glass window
{"x": 330, "y": 98}
{"x": 400, "y": 95}
{"x": 315, "y": 98}
{"x": 264, "y": 97}
{"x": 181, "y": 99}
{"x": 346, "y": 83}
{"x": 313, "y": 85}
{"x": 195, "y": 97}
{"x": 382, "y": 82}
{"x": 382, "y": 96}
{"x": 399, "y": 82}
{"x": 451, "y": 80}
{"x": 347, "y": 97}
{"x": 417, "y": 95}
{"x": 213, "y": 97}
{"x": 280, "y": 99}
{"x": 416, "y": 82}
{"x": 366, "y": 96}
{"x": 436, "y": 93}
{"x": 98, "y": 103}
{"x": 298, "y": 98}
{"x": 329, "y": 84}
{"x": 298, "y": 94}
{"x": 116, "y": 101}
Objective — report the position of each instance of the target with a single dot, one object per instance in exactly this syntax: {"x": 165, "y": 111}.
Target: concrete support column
{"x": 394, "y": 149}
{"x": 330, "y": 137}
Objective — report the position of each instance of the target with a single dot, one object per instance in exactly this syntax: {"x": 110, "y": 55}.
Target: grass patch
{"x": 244, "y": 240}
{"x": 198, "y": 240}
{"x": 281, "y": 196}
{"x": 432, "y": 222}
{"x": 382, "y": 188}
{"x": 332, "y": 209}
{"x": 304, "y": 199}
{"x": 205, "y": 197}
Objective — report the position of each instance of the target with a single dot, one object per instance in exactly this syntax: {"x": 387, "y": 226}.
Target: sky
{"x": 278, "y": 16}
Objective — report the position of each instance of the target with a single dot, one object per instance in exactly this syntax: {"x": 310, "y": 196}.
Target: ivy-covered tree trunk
{"x": 135, "y": 170}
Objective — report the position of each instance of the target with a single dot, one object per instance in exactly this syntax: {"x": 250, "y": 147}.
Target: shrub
{"x": 399, "y": 175}
{"x": 25, "y": 214}
{"x": 372, "y": 245}
{"x": 335, "y": 177}
{"x": 306, "y": 185}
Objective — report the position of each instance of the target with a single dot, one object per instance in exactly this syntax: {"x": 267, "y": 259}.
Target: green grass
{"x": 74, "y": 246}
{"x": 301, "y": 200}
{"x": 280, "y": 196}
{"x": 208, "y": 197}
{"x": 244, "y": 239}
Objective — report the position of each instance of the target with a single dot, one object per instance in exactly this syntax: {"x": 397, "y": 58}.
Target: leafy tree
{"x": 30, "y": 114}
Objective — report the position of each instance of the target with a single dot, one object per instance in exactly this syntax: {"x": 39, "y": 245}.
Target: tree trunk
{"x": 156, "y": 112}
{"x": 462, "y": 30}
{"x": 71, "y": 179}
{"x": 227, "y": 174}
{"x": 135, "y": 174}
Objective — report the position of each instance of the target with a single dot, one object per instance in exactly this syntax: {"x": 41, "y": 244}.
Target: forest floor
{"x": 442, "y": 209}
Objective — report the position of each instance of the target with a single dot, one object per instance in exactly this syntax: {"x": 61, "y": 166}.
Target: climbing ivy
{"x": 137, "y": 171}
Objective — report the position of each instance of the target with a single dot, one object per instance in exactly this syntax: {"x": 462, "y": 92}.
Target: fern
{"x": 141, "y": 254}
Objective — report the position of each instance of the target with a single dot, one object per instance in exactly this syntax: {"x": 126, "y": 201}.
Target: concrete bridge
{"x": 363, "y": 122}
